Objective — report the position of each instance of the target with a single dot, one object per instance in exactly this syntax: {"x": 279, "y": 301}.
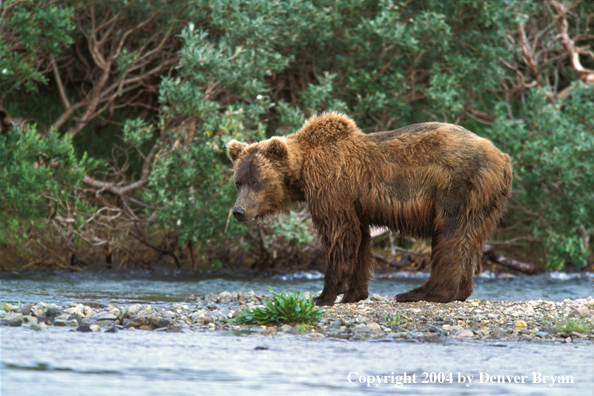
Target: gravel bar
{"x": 377, "y": 318}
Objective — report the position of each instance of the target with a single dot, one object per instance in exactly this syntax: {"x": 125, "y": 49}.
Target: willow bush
{"x": 155, "y": 90}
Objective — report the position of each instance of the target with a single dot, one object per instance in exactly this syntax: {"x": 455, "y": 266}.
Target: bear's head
{"x": 261, "y": 174}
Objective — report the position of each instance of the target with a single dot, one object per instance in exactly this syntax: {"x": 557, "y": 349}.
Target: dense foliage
{"x": 155, "y": 90}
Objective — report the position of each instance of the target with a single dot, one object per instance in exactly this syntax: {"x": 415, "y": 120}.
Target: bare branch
{"x": 586, "y": 75}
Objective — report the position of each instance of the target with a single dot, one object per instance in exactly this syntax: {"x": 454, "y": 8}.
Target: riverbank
{"x": 376, "y": 318}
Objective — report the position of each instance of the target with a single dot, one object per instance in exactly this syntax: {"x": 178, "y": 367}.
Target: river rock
{"x": 78, "y": 308}
{"x": 369, "y": 328}
{"x": 377, "y": 297}
{"x": 219, "y": 316}
{"x": 225, "y": 297}
{"x": 29, "y": 319}
{"x": 104, "y": 318}
{"x": 52, "y": 311}
{"x": 26, "y": 309}
{"x": 334, "y": 325}
{"x": 95, "y": 328}
{"x": 581, "y": 312}
{"x": 59, "y": 322}
{"x": 12, "y": 319}
{"x": 72, "y": 323}
{"x": 152, "y": 320}
{"x": 63, "y": 317}
{"x": 134, "y": 310}
{"x": 38, "y": 327}
{"x": 84, "y": 328}
{"x": 463, "y": 333}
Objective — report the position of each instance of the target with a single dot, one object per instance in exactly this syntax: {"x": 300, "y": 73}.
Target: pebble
{"x": 526, "y": 321}
{"x": 464, "y": 333}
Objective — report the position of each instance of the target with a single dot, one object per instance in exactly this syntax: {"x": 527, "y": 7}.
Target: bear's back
{"x": 417, "y": 129}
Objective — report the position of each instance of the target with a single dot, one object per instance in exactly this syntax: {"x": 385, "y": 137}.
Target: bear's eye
{"x": 254, "y": 184}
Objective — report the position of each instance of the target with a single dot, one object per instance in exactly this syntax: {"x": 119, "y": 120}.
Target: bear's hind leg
{"x": 451, "y": 256}
{"x": 466, "y": 288}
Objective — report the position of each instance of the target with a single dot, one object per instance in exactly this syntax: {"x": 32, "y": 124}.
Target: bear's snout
{"x": 239, "y": 213}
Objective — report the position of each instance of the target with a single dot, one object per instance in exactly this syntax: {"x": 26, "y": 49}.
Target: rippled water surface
{"x": 64, "y": 287}
{"x": 60, "y": 362}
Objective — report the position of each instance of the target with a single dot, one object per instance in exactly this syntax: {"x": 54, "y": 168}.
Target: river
{"x": 61, "y": 362}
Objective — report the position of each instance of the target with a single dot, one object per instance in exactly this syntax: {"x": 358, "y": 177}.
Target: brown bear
{"x": 429, "y": 180}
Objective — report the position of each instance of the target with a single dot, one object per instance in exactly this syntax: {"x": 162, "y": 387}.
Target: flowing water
{"x": 60, "y": 362}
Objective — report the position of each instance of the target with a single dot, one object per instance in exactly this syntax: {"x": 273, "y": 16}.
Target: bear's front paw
{"x": 353, "y": 297}
{"x": 324, "y": 301}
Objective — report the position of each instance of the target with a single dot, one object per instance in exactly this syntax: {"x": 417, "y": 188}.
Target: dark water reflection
{"x": 65, "y": 287}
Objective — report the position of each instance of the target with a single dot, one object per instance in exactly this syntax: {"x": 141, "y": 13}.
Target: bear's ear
{"x": 234, "y": 149}
{"x": 277, "y": 149}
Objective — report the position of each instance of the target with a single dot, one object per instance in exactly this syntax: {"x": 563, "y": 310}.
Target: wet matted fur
{"x": 429, "y": 180}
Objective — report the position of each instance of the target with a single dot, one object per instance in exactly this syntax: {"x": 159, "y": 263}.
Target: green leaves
{"x": 36, "y": 176}
{"x": 552, "y": 146}
{"x": 282, "y": 308}
{"x": 31, "y": 29}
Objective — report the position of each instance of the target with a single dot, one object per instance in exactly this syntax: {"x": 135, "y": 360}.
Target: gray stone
{"x": 63, "y": 316}
{"x": 38, "y": 327}
{"x": 286, "y": 328}
{"x": 29, "y": 319}
{"x": 464, "y": 333}
{"x": 83, "y": 328}
{"x": 52, "y": 311}
{"x": 174, "y": 328}
{"x": 370, "y": 328}
{"x": 72, "y": 323}
{"x": 581, "y": 312}
{"x": 104, "y": 316}
{"x": 219, "y": 316}
{"x": 12, "y": 319}
{"x": 59, "y": 322}
{"x": 151, "y": 320}
{"x": 334, "y": 325}
{"x": 225, "y": 296}
{"x": 377, "y": 297}
{"x": 26, "y": 309}
{"x": 134, "y": 310}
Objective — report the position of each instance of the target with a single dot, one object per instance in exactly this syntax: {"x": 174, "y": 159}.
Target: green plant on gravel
{"x": 577, "y": 325}
{"x": 304, "y": 328}
{"x": 285, "y": 308}
{"x": 393, "y": 320}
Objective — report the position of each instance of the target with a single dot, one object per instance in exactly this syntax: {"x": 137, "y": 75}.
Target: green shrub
{"x": 282, "y": 308}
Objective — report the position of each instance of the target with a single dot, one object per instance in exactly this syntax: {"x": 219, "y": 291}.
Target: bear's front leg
{"x": 358, "y": 285}
{"x": 343, "y": 243}
{"x": 331, "y": 290}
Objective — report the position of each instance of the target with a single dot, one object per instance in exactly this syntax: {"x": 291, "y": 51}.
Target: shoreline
{"x": 377, "y": 318}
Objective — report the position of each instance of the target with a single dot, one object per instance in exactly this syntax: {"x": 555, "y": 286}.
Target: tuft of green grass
{"x": 394, "y": 320}
{"x": 579, "y": 326}
{"x": 282, "y": 308}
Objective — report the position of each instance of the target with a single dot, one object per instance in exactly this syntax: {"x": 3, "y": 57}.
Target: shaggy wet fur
{"x": 429, "y": 180}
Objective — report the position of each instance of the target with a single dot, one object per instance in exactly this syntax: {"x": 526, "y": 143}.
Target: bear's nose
{"x": 238, "y": 213}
